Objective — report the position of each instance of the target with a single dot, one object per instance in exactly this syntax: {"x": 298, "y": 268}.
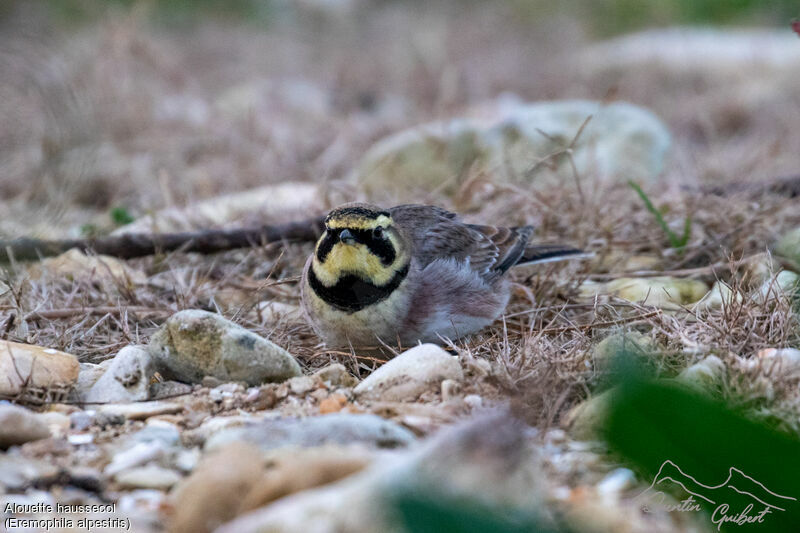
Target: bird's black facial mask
{"x": 376, "y": 240}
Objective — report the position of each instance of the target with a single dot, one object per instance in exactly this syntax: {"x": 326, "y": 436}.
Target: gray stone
{"x": 273, "y": 311}
{"x": 157, "y": 431}
{"x": 19, "y": 425}
{"x": 162, "y": 390}
{"x": 788, "y": 247}
{"x": 491, "y": 453}
{"x": 286, "y": 200}
{"x": 216, "y": 424}
{"x": 301, "y": 385}
{"x": 720, "y": 296}
{"x": 86, "y": 478}
{"x": 108, "y": 418}
{"x": 138, "y": 454}
{"x": 88, "y": 375}
{"x": 335, "y": 375}
{"x": 337, "y": 428}
{"x": 707, "y": 376}
{"x": 74, "y": 264}
{"x": 785, "y": 283}
{"x": 147, "y": 477}
{"x": 410, "y": 374}
{"x": 81, "y": 420}
{"x": 127, "y": 378}
{"x": 661, "y": 291}
{"x": 630, "y": 344}
{"x": 783, "y": 362}
{"x": 621, "y": 141}
{"x": 17, "y": 473}
{"x": 58, "y": 423}
{"x": 225, "y": 391}
{"x": 138, "y": 410}
{"x": 744, "y": 51}
{"x": 193, "y": 344}
{"x": 27, "y": 367}
{"x": 585, "y": 420}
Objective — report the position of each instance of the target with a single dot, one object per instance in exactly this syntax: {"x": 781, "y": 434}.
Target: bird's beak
{"x": 346, "y": 237}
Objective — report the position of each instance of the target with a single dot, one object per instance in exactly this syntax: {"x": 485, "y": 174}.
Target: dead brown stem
{"x": 140, "y": 245}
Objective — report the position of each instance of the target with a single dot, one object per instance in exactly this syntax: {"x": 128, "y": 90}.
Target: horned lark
{"x": 411, "y": 273}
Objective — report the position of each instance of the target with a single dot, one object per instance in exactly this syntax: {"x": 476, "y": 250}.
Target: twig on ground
{"x": 788, "y": 186}
{"x": 55, "y": 314}
{"x": 708, "y": 270}
{"x": 607, "y": 324}
{"x": 140, "y": 245}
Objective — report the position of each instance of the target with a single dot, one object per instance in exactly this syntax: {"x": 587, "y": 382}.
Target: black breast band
{"x": 351, "y": 293}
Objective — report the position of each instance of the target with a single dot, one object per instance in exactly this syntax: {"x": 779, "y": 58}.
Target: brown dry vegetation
{"x": 125, "y": 112}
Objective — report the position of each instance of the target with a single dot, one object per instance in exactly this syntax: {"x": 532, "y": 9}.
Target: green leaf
{"x": 89, "y": 230}
{"x": 653, "y": 422}
{"x": 674, "y": 240}
{"x": 428, "y": 511}
{"x": 120, "y": 216}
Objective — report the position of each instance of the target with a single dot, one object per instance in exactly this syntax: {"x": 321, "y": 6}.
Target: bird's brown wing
{"x": 438, "y": 234}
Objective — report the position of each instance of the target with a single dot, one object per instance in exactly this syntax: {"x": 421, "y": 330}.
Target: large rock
{"x": 664, "y": 292}
{"x": 213, "y": 494}
{"x": 28, "y": 369}
{"x": 631, "y": 344}
{"x": 783, "y": 362}
{"x": 706, "y": 376}
{"x": 287, "y": 201}
{"x": 620, "y": 141}
{"x": 74, "y": 264}
{"x": 20, "y": 473}
{"x": 788, "y": 247}
{"x": 240, "y": 477}
{"x": 585, "y": 421}
{"x": 675, "y": 49}
{"x": 488, "y": 459}
{"x": 785, "y": 283}
{"x": 19, "y": 425}
{"x": 147, "y": 477}
{"x": 293, "y": 470}
{"x": 337, "y": 428}
{"x": 411, "y": 373}
{"x": 193, "y": 344}
{"x": 127, "y": 378}
{"x": 89, "y": 374}
{"x": 720, "y": 296}
{"x": 335, "y": 375}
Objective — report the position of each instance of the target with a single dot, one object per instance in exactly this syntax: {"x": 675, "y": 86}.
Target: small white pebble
{"x": 186, "y": 460}
{"x": 615, "y": 482}
{"x": 473, "y": 400}
{"x": 450, "y": 389}
{"x": 581, "y": 445}
{"x": 556, "y": 435}
{"x": 561, "y": 493}
{"x": 81, "y": 438}
{"x": 253, "y": 394}
{"x": 142, "y": 500}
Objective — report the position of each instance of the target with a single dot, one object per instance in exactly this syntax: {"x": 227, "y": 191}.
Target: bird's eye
{"x": 377, "y": 233}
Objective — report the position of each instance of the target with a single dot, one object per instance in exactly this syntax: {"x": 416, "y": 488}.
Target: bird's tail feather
{"x": 548, "y": 253}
